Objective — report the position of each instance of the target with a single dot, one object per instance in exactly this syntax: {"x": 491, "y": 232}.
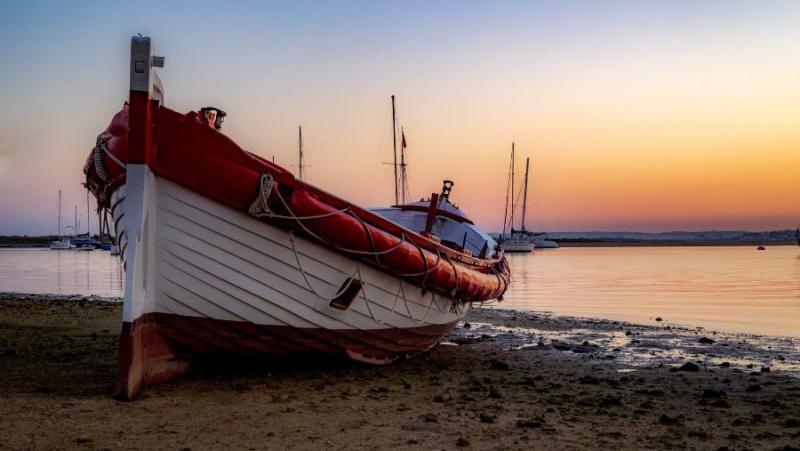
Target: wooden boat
{"x": 226, "y": 253}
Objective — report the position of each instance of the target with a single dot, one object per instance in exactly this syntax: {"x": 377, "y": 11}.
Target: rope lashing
{"x": 100, "y": 150}
{"x": 308, "y": 282}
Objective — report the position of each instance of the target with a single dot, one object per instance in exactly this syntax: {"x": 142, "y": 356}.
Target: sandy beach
{"x": 504, "y": 380}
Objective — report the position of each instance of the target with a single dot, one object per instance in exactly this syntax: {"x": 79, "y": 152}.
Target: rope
{"x": 299, "y": 220}
{"x": 260, "y": 208}
{"x": 308, "y": 282}
{"x": 97, "y": 156}
{"x": 366, "y": 301}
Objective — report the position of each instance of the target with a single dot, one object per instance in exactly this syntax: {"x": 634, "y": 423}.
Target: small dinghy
{"x": 226, "y": 253}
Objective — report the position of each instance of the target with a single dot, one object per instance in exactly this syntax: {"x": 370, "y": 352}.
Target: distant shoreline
{"x": 665, "y": 243}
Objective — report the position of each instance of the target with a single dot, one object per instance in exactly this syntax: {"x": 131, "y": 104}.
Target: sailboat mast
{"x": 403, "y": 175}
{"x": 88, "y": 233}
{"x": 59, "y": 215}
{"x": 394, "y": 146}
{"x": 525, "y": 193}
{"x": 300, "y": 156}
{"x": 75, "y": 218}
{"x": 513, "y": 205}
{"x": 508, "y": 189}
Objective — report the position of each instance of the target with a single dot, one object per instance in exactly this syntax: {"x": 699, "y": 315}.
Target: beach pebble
{"x": 697, "y": 434}
{"x": 462, "y": 442}
{"x": 689, "y": 366}
{"x": 534, "y": 423}
{"x": 485, "y": 418}
{"x": 710, "y": 393}
{"x": 667, "y": 420}
{"x": 721, "y": 403}
{"x": 706, "y": 341}
{"x": 561, "y": 346}
{"x": 82, "y": 439}
{"x": 765, "y": 369}
{"x": 585, "y": 349}
{"x": 495, "y": 364}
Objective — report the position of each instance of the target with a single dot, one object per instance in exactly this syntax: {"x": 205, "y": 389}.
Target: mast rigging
{"x": 525, "y": 193}
{"x": 394, "y": 146}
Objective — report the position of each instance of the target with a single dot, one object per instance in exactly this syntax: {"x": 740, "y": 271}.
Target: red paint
{"x": 158, "y": 346}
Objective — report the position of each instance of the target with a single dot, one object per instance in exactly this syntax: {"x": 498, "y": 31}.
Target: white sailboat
{"x": 60, "y": 244}
{"x": 516, "y": 241}
{"x": 518, "y": 236}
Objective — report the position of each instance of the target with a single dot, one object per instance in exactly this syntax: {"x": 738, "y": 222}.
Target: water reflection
{"x": 61, "y": 272}
{"x": 724, "y": 288}
{"x": 735, "y": 289}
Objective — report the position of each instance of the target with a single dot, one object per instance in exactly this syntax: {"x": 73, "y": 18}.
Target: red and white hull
{"x": 204, "y": 278}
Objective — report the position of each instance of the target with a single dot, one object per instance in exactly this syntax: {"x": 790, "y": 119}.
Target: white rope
{"x": 112, "y": 156}
{"x": 366, "y": 301}
{"x": 308, "y": 282}
{"x": 391, "y": 311}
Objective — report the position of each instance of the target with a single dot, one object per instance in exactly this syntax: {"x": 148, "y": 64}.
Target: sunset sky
{"x": 644, "y": 116}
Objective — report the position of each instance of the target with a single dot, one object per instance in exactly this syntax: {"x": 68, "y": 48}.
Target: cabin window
{"x": 343, "y": 301}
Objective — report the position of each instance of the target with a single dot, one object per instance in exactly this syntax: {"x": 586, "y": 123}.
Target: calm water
{"x": 736, "y": 288}
{"x": 62, "y": 272}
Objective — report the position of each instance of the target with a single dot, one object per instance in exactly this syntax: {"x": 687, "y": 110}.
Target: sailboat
{"x": 84, "y": 242}
{"x": 516, "y": 241}
{"x": 538, "y": 239}
{"x": 227, "y": 254}
{"x": 60, "y": 244}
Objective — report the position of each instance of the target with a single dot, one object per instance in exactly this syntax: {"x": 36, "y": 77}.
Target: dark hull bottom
{"x": 158, "y": 346}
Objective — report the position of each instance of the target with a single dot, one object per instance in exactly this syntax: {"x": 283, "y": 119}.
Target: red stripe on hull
{"x": 158, "y": 346}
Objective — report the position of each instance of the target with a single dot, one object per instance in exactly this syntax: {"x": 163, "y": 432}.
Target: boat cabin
{"x": 439, "y": 219}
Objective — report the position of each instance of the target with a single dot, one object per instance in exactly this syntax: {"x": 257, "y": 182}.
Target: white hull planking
{"x": 195, "y": 257}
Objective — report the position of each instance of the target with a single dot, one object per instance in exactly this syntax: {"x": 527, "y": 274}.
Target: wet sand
{"x": 507, "y": 380}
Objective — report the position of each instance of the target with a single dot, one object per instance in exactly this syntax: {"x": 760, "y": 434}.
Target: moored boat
{"x": 517, "y": 240}
{"x": 226, "y": 253}
{"x": 60, "y": 244}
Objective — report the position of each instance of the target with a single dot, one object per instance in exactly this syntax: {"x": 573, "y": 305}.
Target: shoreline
{"x": 504, "y": 379}
{"x": 657, "y": 243}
